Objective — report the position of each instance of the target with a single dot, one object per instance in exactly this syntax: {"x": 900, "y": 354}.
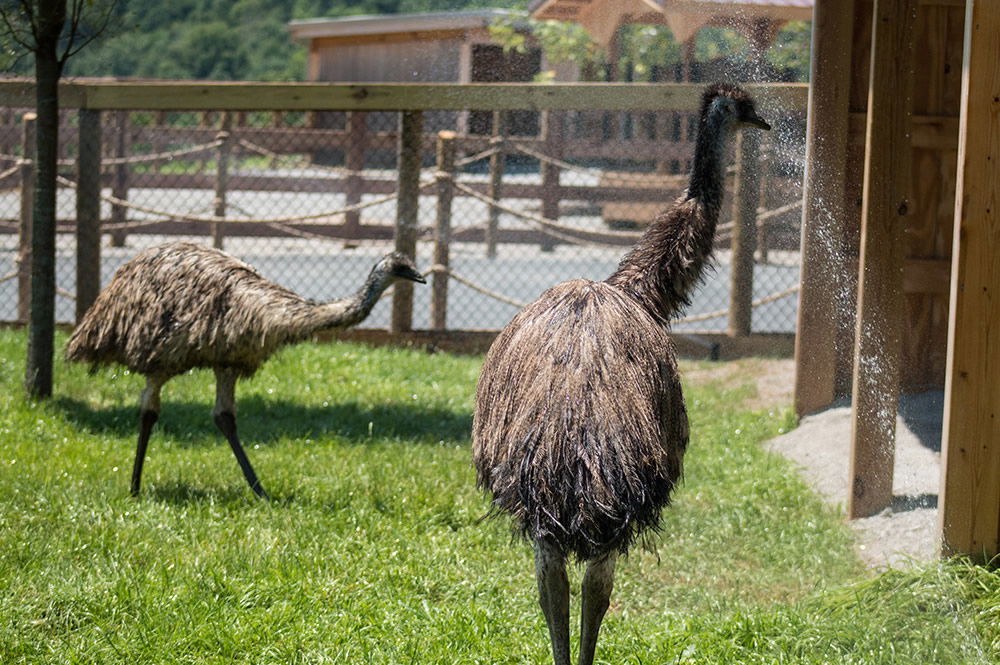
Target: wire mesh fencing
{"x": 313, "y": 198}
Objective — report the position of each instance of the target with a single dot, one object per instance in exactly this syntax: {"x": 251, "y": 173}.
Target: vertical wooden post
{"x": 885, "y": 205}
{"x": 119, "y": 179}
{"x": 221, "y": 177}
{"x": 442, "y": 228}
{"x": 553, "y": 132}
{"x": 970, "y": 502}
{"x": 411, "y": 127}
{"x": 823, "y": 207}
{"x": 27, "y": 207}
{"x": 354, "y": 162}
{"x": 746, "y": 200}
{"x": 496, "y": 182}
{"x": 88, "y": 212}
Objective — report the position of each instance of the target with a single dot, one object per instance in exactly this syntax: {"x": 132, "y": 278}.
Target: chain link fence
{"x": 311, "y": 199}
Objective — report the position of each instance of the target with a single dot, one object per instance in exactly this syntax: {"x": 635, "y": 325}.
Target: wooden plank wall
{"x": 936, "y": 93}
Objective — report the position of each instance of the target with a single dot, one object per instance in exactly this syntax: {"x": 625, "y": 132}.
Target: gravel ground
{"x": 907, "y": 531}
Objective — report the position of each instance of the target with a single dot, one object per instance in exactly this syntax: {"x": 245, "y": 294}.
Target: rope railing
{"x": 187, "y": 217}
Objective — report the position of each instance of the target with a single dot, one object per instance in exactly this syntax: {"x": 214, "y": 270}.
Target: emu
{"x": 179, "y": 306}
{"x": 580, "y": 426}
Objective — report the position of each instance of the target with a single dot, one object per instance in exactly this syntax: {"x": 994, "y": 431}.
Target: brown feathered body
{"x": 181, "y": 305}
{"x": 580, "y": 425}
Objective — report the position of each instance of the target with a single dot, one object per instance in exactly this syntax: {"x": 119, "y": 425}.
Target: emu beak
{"x": 414, "y": 276}
{"x": 756, "y": 121}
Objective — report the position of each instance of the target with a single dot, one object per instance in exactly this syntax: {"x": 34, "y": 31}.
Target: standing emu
{"x": 180, "y": 305}
{"x": 580, "y": 425}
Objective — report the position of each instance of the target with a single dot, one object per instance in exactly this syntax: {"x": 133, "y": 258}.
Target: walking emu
{"x": 178, "y": 306}
{"x": 580, "y": 424}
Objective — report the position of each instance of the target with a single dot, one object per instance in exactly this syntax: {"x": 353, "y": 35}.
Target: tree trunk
{"x": 41, "y": 321}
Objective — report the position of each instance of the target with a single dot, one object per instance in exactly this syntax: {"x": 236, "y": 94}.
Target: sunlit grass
{"x": 374, "y": 548}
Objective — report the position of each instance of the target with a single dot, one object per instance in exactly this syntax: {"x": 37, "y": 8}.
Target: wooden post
{"x": 885, "y": 203}
{"x": 553, "y": 128}
{"x": 354, "y": 162}
{"x": 27, "y": 206}
{"x": 496, "y": 182}
{"x": 746, "y": 200}
{"x": 823, "y": 208}
{"x": 970, "y": 501}
{"x": 221, "y": 177}
{"x": 442, "y": 228}
{"x": 411, "y": 127}
{"x": 119, "y": 180}
{"x": 88, "y": 212}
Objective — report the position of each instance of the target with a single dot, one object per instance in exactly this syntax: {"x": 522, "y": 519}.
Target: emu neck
{"x": 667, "y": 263}
{"x": 348, "y": 311}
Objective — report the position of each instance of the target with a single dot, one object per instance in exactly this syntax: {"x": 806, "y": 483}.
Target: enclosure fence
{"x": 499, "y": 190}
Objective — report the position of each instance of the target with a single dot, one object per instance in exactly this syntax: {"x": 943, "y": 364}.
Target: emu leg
{"x": 553, "y": 596}
{"x": 149, "y": 413}
{"x": 224, "y": 415}
{"x": 596, "y": 596}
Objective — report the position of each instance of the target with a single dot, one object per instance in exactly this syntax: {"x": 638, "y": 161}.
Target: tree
{"x": 52, "y": 31}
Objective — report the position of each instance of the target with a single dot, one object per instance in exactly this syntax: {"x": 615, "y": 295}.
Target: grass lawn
{"x": 374, "y": 549}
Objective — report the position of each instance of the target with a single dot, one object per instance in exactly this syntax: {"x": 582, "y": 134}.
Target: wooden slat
{"x": 878, "y": 338}
{"x": 823, "y": 208}
{"x": 240, "y": 96}
{"x": 970, "y": 509}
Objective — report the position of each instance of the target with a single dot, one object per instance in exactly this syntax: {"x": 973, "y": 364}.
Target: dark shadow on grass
{"x": 261, "y": 422}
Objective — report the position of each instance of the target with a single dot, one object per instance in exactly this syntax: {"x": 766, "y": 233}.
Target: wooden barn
{"x": 435, "y": 47}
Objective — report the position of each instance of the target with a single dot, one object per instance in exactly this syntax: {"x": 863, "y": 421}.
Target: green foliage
{"x": 374, "y": 549}
{"x": 222, "y": 39}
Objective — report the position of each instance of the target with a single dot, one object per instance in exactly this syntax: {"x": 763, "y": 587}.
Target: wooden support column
{"x": 442, "y": 228}
{"x": 27, "y": 213}
{"x": 119, "y": 182}
{"x": 88, "y": 212}
{"x": 222, "y": 177}
{"x": 823, "y": 208}
{"x": 970, "y": 501}
{"x": 411, "y": 127}
{"x": 745, "y": 201}
{"x": 885, "y": 204}
{"x": 354, "y": 162}
{"x": 496, "y": 181}
{"x": 553, "y": 128}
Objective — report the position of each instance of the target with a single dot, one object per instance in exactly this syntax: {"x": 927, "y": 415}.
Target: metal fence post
{"x": 27, "y": 207}
{"x": 221, "y": 177}
{"x": 442, "y": 228}
{"x": 746, "y": 199}
{"x": 411, "y": 126}
{"x": 88, "y": 212}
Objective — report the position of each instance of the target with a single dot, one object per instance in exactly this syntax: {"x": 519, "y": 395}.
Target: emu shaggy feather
{"x": 590, "y": 474}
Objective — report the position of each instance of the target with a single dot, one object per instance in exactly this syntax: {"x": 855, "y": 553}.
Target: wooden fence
{"x": 104, "y": 105}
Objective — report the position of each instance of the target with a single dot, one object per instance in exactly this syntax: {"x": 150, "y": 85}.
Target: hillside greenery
{"x": 248, "y": 40}
{"x": 222, "y": 39}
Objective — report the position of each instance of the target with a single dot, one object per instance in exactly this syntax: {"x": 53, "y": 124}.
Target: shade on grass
{"x": 375, "y": 550}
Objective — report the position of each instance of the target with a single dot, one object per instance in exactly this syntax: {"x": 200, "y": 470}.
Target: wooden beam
{"x": 243, "y": 96}
{"x": 878, "y": 338}
{"x": 823, "y": 210}
{"x": 970, "y": 508}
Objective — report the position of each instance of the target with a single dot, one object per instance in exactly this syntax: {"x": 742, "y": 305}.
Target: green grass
{"x": 374, "y": 549}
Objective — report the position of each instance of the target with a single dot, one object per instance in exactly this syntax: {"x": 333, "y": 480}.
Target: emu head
{"x": 396, "y": 266}
{"x": 732, "y": 105}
